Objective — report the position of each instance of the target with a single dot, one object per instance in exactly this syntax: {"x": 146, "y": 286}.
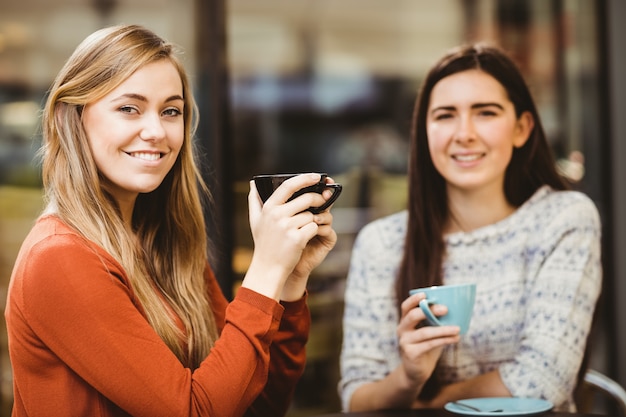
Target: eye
{"x": 172, "y": 112}
{"x": 443, "y": 116}
{"x": 489, "y": 111}
{"x": 128, "y": 109}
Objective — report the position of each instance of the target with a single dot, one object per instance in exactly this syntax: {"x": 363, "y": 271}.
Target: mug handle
{"x": 430, "y": 317}
{"x": 338, "y": 188}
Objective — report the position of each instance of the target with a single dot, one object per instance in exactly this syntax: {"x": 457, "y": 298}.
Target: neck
{"x": 126, "y": 210}
{"x": 472, "y": 210}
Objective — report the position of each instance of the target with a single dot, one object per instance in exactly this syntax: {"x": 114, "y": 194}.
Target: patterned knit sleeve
{"x": 370, "y": 318}
{"x": 560, "y": 300}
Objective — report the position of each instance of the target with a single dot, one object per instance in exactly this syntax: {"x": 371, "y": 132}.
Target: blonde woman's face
{"x": 472, "y": 130}
{"x": 137, "y": 130}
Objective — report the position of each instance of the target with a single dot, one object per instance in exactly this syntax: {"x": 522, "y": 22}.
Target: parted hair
{"x": 167, "y": 258}
{"x": 531, "y": 166}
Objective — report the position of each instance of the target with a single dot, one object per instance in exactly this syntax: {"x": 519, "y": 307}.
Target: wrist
{"x": 294, "y": 288}
{"x": 407, "y": 389}
{"x": 266, "y": 279}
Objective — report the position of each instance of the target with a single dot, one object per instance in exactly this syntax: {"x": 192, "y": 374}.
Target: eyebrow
{"x": 139, "y": 97}
{"x": 473, "y": 106}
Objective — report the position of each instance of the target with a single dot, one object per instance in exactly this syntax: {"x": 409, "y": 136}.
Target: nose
{"x": 152, "y": 128}
{"x": 465, "y": 129}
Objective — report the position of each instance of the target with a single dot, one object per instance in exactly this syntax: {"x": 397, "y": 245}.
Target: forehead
{"x": 468, "y": 86}
{"x": 155, "y": 79}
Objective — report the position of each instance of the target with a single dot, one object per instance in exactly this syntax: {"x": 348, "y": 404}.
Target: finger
{"x": 431, "y": 336}
{"x": 323, "y": 218}
{"x": 309, "y": 231}
{"x": 418, "y": 314}
{"x": 411, "y": 302}
{"x": 255, "y": 203}
{"x": 290, "y": 186}
{"x": 418, "y": 349}
{"x": 326, "y": 236}
{"x": 302, "y": 203}
{"x": 327, "y": 195}
{"x": 300, "y": 219}
{"x": 415, "y": 316}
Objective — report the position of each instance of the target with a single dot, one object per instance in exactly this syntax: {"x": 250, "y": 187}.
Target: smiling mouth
{"x": 468, "y": 158}
{"x": 146, "y": 156}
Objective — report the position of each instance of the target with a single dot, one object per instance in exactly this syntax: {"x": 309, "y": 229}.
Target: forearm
{"x": 294, "y": 288}
{"x": 288, "y": 359}
{"x": 395, "y": 391}
{"x": 485, "y": 385}
{"x": 265, "y": 278}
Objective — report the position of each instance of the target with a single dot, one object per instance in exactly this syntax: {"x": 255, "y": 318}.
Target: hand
{"x": 421, "y": 347}
{"x": 281, "y": 231}
{"x": 313, "y": 254}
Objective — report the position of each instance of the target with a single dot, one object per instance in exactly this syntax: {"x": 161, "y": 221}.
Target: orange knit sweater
{"x": 80, "y": 346}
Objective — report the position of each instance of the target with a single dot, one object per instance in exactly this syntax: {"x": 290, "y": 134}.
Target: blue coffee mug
{"x": 458, "y": 298}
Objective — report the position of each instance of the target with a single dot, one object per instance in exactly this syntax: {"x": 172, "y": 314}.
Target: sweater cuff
{"x": 297, "y": 307}
{"x": 263, "y": 303}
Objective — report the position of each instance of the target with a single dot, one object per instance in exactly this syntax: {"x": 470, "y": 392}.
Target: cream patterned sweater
{"x": 538, "y": 277}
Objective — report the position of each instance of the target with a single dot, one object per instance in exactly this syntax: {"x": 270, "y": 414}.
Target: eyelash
{"x": 172, "y": 112}
{"x": 127, "y": 109}
{"x": 481, "y": 113}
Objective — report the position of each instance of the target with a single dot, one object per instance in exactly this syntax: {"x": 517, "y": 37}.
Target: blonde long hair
{"x": 168, "y": 257}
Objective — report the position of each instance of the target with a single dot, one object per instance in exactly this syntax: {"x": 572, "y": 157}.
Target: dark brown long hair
{"x": 532, "y": 165}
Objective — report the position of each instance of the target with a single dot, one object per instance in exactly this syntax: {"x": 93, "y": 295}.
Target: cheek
{"x": 176, "y": 135}
{"x": 504, "y": 157}
{"x": 499, "y": 137}
{"x": 437, "y": 139}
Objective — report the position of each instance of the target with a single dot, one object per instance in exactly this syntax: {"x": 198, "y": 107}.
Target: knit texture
{"x": 538, "y": 275}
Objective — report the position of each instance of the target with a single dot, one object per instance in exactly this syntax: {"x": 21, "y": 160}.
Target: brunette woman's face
{"x": 137, "y": 130}
{"x": 472, "y": 129}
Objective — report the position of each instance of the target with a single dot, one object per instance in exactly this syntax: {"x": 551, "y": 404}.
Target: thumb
{"x": 255, "y": 205}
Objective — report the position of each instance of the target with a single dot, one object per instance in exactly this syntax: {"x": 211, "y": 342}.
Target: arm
{"x": 486, "y": 385}
{"x": 384, "y": 366}
{"x": 76, "y": 302}
{"x": 287, "y": 353}
{"x": 563, "y": 279}
{"x": 288, "y": 358}
{"x": 79, "y": 308}
{"x": 289, "y": 241}
{"x": 420, "y": 349}
{"x": 561, "y": 303}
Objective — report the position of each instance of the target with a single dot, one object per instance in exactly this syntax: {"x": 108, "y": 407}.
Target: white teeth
{"x": 467, "y": 158}
{"x": 146, "y": 156}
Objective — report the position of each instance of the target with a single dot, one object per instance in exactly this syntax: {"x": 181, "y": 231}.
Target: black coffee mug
{"x": 266, "y": 184}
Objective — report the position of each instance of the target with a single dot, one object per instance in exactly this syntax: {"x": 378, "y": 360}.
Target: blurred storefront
{"x": 326, "y": 85}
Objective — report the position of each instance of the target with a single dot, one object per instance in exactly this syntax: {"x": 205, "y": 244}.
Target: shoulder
{"x": 50, "y": 238}
{"x": 386, "y": 232}
{"x": 54, "y": 256}
{"x": 572, "y": 208}
{"x": 57, "y": 269}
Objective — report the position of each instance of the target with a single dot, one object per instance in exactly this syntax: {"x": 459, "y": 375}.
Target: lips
{"x": 471, "y": 157}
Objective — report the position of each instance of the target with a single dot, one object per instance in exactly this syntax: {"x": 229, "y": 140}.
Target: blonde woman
{"x": 113, "y": 308}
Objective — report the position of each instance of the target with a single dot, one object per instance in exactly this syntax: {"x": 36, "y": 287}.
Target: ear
{"x": 524, "y": 125}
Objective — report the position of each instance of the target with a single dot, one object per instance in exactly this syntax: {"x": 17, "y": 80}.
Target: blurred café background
{"x": 328, "y": 86}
